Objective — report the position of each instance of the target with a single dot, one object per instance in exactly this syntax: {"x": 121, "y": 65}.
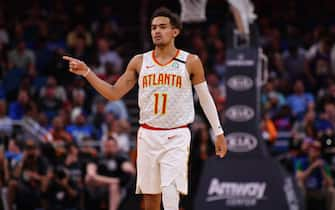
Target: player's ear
{"x": 176, "y": 32}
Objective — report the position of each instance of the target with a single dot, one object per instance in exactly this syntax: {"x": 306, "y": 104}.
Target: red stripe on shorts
{"x": 146, "y": 126}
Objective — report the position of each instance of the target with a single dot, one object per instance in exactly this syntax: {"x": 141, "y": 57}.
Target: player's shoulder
{"x": 136, "y": 61}
{"x": 137, "y": 57}
{"x": 192, "y": 59}
{"x": 141, "y": 56}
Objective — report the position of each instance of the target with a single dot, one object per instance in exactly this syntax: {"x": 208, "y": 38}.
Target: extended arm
{"x": 111, "y": 92}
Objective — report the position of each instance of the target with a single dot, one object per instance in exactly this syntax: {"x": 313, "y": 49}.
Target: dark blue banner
{"x": 242, "y": 113}
{"x": 250, "y": 184}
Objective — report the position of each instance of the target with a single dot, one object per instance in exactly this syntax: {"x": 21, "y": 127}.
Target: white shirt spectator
{"x": 111, "y": 57}
{"x": 6, "y": 125}
{"x": 21, "y": 59}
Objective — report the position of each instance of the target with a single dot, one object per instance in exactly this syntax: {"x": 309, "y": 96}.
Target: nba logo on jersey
{"x": 175, "y": 65}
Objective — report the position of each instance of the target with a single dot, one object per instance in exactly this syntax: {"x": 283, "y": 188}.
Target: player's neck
{"x": 164, "y": 52}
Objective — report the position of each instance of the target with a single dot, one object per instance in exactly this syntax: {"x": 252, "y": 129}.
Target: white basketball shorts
{"x": 162, "y": 158}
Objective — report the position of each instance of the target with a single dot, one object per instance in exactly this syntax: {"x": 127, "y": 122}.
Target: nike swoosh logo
{"x": 149, "y": 67}
{"x": 171, "y": 137}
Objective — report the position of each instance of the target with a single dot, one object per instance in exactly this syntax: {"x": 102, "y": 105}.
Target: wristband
{"x": 87, "y": 72}
{"x": 218, "y": 130}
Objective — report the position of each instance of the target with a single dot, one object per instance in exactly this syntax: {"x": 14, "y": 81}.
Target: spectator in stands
{"x": 317, "y": 65}
{"x": 52, "y": 97}
{"x": 110, "y": 30}
{"x": 327, "y": 95}
{"x": 271, "y": 99}
{"x": 73, "y": 164}
{"x": 58, "y": 131}
{"x": 98, "y": 117}
{"x": 79, "y": 32}
{"x": 79, "y": 128}
{"x": 4, "y": 35}
{"x": 111, "y": 169}
{"x": 119, "y": 130}
{"x": 327, "y": 140}
{"x": 79, "y": 48}
{"x": 326, "y": 119}
{"x": 13, "y": 154}
{"x": 6, "y": 124}
{"x": 61, "y": 192}
{"x": 52, "y": 84}
{"x": 219, "y": 64}
{"x": 106, "y": 55}
{"x": 78, "y": 98}
{"x": 329, "y": 111}
{"x": 293, "y": 60}
{"x": 199, "y": 47}
{"x": 17, "y": 109}
{"x": 213, "y": 40}
{"x": 300, "y": 101}
{"x": 106, "y": 24}
{"x": 4, "y": 177}
{"x": 25, "y": 186}
{"x": 21, "y": 57}
{"x": 283, "y": 121}
{"x": 217, "y": 90}
{"x": 89, "y": 152}
{"x": 305, "y": 128}
{"x": 314, "y": 178}
{"x": 118, "y": 109}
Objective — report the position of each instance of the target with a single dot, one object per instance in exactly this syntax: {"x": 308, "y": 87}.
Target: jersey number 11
{"x": 158, "y": 98}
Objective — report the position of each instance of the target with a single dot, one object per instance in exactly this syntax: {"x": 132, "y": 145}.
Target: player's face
{"x": 162, "y": 32}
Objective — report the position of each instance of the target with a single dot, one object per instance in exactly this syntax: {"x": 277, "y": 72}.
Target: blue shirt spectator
{"x": 118, "y": 109}
{"x": 16, "y": 111}
{"x": 299, "y": 101}
{"x": 17, "y": 108}
{"x": 80, "y": 129}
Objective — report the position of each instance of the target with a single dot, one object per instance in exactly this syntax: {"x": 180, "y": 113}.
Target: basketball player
{"x": 165, "y": 77}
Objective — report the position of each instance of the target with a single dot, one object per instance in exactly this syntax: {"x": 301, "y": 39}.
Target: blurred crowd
{"x": 88, "y": 142}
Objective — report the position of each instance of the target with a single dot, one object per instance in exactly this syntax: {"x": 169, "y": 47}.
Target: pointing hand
{"x": 77, "y": 66}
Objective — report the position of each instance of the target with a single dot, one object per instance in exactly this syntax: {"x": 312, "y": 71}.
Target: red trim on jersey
{"x": 170, "y": 61}
{"x": 146, "y": 126}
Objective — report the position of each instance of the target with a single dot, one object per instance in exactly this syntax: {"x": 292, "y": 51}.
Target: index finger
{"x": 68, "y": 58}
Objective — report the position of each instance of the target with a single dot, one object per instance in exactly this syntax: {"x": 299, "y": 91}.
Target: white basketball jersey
{"x": 165, "y": 92}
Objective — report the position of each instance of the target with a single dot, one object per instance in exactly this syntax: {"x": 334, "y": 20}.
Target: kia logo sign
{"x": 240, "y": 113}
{"x": 240, "y": 83}
{"x": 241, "y": 142}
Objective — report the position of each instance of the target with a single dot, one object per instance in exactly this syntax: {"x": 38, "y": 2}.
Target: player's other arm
{"x": 112, "y": 92}
{"x": 196, "y": 69}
